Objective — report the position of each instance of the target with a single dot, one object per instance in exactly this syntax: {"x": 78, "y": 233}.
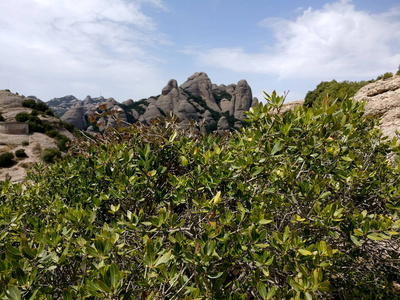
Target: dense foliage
{"x": 6, "y": 159}
{"x": 20, "y": 153}
{"x": 38, "y": 106}
{"x": 38, "y": 125}
{"x": 333, "y": 89}
{"x": 296, "y": 206}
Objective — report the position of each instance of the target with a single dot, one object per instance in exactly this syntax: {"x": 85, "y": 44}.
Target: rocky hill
{"x": 41, "y": 130}
{"x": 383, "y": 99}
{"x": 221, "y": 107}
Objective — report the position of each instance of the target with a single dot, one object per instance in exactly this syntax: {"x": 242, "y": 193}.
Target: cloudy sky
{"x": 131, "y": 48}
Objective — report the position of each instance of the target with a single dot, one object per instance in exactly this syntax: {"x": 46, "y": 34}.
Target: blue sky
{"x": 131, "y": 48}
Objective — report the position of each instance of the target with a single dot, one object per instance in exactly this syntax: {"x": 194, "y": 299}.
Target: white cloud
{"x": 73, "y": 43}
{"x": 336, "y": 41}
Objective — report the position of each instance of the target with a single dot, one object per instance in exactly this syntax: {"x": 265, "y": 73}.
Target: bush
{"x": 25, "y": 143}
{"x": 298, "y": 206}
{"x": 49, "y": 112}
{"x": 29, "y": 103}
{"x": 20, "y": 153}
{"x": 332, "y": 89}
{"x": 34, "y": 112}
{"x": 1, "y": 118}
{"x": 6, "y": 159}
{"x": 22, "y": 117}
{"x": 50, "y": 155}
{"x": 41, "y": 106}
{"x": 385, "y": 76}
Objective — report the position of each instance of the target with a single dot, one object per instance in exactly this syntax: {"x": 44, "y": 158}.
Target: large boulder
{"x": 75, "y": 116}
{"x": 243, "y": 99}
{"x": 151, "y": 113}
{"x": 226, "y": 106}
{"x": 200, "y": 85}
{"x": 222, "y": 125}
{"x": 170, "y": 95}
{"x": 383, "y": 99}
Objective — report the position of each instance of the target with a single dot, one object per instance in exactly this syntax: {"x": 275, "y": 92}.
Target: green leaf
{"x": 374, "y": 236}
{"x": 13, "y": 293}
{"x": 277, "y": 147}
{"x": 358, "y": 232}
{"x": 304, "y": 252}
{"x": 355, "y": 240}
{"x": 163, "y": 259}
{"x": 114, "y": 275}
{"x": 262, "y": 290}
{"x": 215, "y": 276}
{"x": 272, "y": 292}
{"x": 217, "y": 198}
{"x": 264, "y": 221}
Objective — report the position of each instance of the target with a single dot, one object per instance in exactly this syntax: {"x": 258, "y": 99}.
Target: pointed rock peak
{"x": 172, "y": 84}
{"x": 198, "y": 75}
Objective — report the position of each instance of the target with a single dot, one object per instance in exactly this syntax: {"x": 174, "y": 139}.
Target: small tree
{"x": 6, "y": 159}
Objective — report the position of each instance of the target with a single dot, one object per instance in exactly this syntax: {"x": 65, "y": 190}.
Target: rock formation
{"x": 197, "y": 99}
{"x": 383, "y": 99}
{"x": 75, "y": 116}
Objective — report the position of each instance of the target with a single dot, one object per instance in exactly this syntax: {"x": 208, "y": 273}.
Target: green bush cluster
{"x": 37, "y": 125}
{"x": 39, "y": 106}
{"x": 333, "y": 89}
{"x": 50, "y": 155}
{"x": 302, "y": 205}
{"x": 387, "y": 75}
{"x": 6, "y": 159}
{"x": 20, "y": 153}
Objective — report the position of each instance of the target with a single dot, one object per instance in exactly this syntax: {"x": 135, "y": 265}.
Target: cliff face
{"x": 383, "y": 99}
{"x": 197, "y": 99}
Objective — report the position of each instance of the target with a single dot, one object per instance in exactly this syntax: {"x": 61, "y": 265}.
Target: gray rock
{"x": 207, "y": 117}
{"x": 187, "y": 111}
{"x": 222, "y": 125}
{"x": 151, "y": 113}
{"x": 200, "y": 85}
{"x": 255, "y": 102}
{"x": 226, "y": 106}
{"x": 128, "y": 102}
{"x": 168, "y": 101}
{"x": 243, "y": 99}
{"x": 75, "y": 116}
{"x": 383, "y": 99}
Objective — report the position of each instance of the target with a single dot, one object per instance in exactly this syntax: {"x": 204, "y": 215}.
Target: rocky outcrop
{"x": 196, "y": 99}
{"x": 170, "y": 96}
{"x": 222, "y": 125}
{"x": 383, "y": 99}
{"x": 76, "y": 117}
{"x": 243, "y": 99}
{"x": 9, "y": 100}
{"x": 200, "y": 85}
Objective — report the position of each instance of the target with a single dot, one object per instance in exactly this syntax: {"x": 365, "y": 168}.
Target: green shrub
{"x": 34, "y": 112}
{"x": 29, "y": 103}
{"x": 25, "y": 143}
{"x": 41, "y": 106}
{"x": 22, "y": 117}
{"x": 332, "y": 89}
{"x": 6, "y": 159}
{"x": 49, "y": 112}
{"x": 1, "y": 118}
{"x": 20, "y": 153}
{"x": 50, "y": 155}
{"x": 385, "y": 76}
{"x": 298, "y": 206}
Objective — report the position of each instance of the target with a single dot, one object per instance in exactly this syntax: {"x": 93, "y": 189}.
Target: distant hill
{"x": 45, "y": 132}
{"x": 221, "y": 107}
